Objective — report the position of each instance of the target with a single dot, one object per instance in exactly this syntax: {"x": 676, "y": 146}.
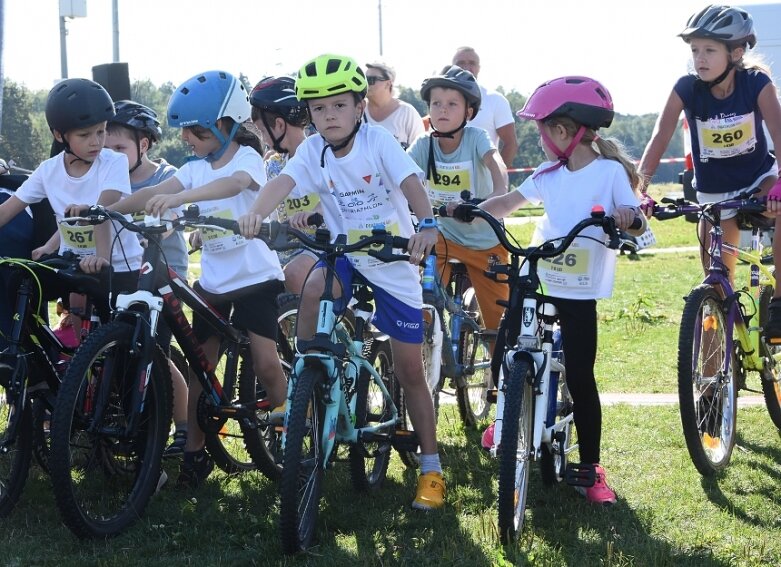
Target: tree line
{"x": 25, "y": 137}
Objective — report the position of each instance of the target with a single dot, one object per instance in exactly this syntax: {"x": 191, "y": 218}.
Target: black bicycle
{"x": 112, "y": 415}
{"x": 32, "y": 366}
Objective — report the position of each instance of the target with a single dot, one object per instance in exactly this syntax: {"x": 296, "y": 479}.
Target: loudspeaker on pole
{"x": 115, "y": 78}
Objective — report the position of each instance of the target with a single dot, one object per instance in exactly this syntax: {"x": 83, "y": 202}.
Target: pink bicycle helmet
{"x": 582, "y": 99}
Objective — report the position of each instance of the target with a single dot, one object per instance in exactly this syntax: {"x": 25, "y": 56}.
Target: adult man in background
{"x": 495, "y": 115}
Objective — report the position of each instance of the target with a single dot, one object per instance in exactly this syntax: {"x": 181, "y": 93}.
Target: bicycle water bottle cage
{"x": 580, "y": 474}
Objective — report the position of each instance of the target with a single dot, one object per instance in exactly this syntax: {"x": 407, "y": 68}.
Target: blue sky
{"x": 630, "y": 46}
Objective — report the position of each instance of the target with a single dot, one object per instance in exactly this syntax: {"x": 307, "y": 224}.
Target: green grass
{"x": 666, "y": 514}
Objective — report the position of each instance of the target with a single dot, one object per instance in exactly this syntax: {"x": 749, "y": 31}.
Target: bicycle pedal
{"x": 405, "y": 440}
{"x": 580, "y": 474}
{"x": 773, "y": 340}
{"x": 490, "y": 395}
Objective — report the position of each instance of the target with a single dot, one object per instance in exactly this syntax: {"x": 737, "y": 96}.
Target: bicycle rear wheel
{"x": 102, "y": 477}
{"x": 369, "y": 460}
{"x": 301, "y": 484}
{"x": 515, "y": 451}
{"x": 474, "y": 354}
{"x": 226, "y": 439}
{"x": 771, "y": 374}
{"x": 707, "y": 389}
{"x": 15, "y": 449}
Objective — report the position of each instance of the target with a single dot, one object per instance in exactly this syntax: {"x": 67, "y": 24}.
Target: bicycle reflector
{"x": 597, "y": 211}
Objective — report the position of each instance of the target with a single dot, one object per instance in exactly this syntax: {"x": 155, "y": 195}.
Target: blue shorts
{"x": 391, "y": 316}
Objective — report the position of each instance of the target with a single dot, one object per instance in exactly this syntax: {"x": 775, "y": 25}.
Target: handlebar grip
{"x": 227, "y": 224}
{"x": 637, "y": 223}
{"x": 315, "y": 219}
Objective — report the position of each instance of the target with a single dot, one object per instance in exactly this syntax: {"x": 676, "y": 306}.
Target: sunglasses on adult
{"x": 371, "y": 80}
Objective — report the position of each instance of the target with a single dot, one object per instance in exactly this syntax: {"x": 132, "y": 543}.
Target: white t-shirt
{"x": 230, "y": 261}
{"x": 358, "y": 192}
{"x": 109, "y": 171}
{"x": 494, "y": 113}
{"x": 404, "y": 123}
{"x": 586, "y": 270}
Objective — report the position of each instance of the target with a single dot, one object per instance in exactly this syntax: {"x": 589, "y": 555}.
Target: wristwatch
{"x": 426, "y": 223}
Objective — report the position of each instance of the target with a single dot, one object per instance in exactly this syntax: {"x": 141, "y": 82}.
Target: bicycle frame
{"x": 341, "y": 357}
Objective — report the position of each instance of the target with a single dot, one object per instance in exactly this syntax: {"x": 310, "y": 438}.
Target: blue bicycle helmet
{"x": 205, "y": 98}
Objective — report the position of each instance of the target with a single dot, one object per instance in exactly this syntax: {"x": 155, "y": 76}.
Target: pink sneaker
{"x": 600, "y": 493}
{"x": 488, "y": 438}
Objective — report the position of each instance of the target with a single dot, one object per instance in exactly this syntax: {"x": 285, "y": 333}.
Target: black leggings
{"x": 578, "y": 319}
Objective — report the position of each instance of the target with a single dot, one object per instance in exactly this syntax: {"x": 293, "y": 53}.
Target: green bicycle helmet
{"x": 329, "y": 75}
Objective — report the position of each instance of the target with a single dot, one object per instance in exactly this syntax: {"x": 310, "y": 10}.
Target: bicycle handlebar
{"x": 467, "y": 212}
{"x": 274, "y": 234}
{"x": 743, "y": 202}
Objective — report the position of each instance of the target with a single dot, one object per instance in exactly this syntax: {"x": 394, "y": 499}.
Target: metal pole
{"x": 2, "y": 70}
{"x": 63, "y": 50}
{"x": 115, "y": 23}
{"x": 379, "y": 9}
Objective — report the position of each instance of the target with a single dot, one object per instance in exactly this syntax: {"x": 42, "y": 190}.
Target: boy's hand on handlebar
{"x": 463, "y": 212}
{"x": 249, "y": 224}
{"x": 299, "y": 220}
{"x": 157, "y": 205}
{"x": 773, "y": 202}
{"x": 93, "y": 264}
{"x": 625, "y": 217}
{"x": 421, "y": 244}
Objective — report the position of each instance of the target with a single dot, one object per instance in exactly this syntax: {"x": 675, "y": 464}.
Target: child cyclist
{"x": 725, "y": 103}
{"x": 352, "y": 159}
{"x": 458, "y": 157}
{"x": 281, "y": 119}
{"x": 584, "y": 170}
{"x": 132, "y": 131}
{"x": 81, "y": 171}
{"x": 236, "y": 273}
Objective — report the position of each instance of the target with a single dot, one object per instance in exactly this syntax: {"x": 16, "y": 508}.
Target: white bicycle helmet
{"x": 729, "y": 24}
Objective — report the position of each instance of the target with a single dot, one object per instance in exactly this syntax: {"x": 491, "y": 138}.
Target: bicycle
{"x": 534, "y": 416}
{"x": 721, "y": 338}
{"x": 337, "y": 395}
{"x": 112, "y": 416}
{"x": 31, "y": 368}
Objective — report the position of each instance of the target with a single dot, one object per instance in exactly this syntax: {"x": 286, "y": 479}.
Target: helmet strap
{"x": 342, "y": 145}
{"x": 276, "y": 143}
{"x": 563, "y": 156}
{"x": 138, "y": 152}
{"x": 225, "y": 141}
{"x": 437, "y": 134}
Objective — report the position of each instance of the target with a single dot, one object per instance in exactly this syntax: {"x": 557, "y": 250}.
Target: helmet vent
{"x": 333, "y": 66}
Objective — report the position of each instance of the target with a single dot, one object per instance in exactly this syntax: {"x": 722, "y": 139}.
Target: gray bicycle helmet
{"x": 728, "y": 24}
{"x": 454, "y": 78}
{"x": 77, "y": 103}
{"x": 137, "y": 117}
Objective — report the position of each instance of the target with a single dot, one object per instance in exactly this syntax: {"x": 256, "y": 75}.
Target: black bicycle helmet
{"x": 454, "y": 78}
{"x": 137, "y": 117}
{"x": 729, "y": 24}
{"x": 277, "y": 95}
{"x": 77, "y": 103}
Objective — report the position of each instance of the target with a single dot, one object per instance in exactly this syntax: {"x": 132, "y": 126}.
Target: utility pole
{"x": 115, "y": 28}
{"x": 68, "y": 9}
{"x": 379, "y": 10}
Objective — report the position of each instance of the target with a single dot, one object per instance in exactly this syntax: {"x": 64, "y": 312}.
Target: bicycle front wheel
{"x": 103, "y": 474}
{"x": 474, "y": 354}
{"x": 771, "y": 374}
{"x": 707, "y": 389}
{"x": 301, "y": 484}
{"x": 515, "y": 451}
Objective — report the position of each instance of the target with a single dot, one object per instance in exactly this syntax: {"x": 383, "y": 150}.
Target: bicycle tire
{"x": 262, "y": 441}
{"x": 515, "y": 450}
{"x": 369, "y": 460}
{"x": 15, "y": 461}
{"x": 472, "y": 389}
{"x": 228, "y": 446}
{"x": 771, "y": 375}
{"x": 301, "y": 485}
{"x": 708, "y": 402}
{"x": 102, "y": 481}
